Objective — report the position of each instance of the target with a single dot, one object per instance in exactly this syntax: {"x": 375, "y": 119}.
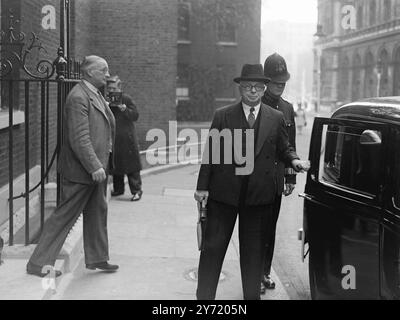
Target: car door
{"x": 390, "y": 228}
{"x": 343, "y": 208}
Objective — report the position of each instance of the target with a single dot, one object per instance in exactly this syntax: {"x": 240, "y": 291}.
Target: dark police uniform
{"x": 276, "y": 70}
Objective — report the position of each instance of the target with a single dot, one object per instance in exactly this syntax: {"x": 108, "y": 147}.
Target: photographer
{"x": 126, "y": 158}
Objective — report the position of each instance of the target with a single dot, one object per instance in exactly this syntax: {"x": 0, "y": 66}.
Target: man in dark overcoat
{"x": 126, "y": 152}
{"x": 230, "y": 191}
{"x": 275, "y": 69}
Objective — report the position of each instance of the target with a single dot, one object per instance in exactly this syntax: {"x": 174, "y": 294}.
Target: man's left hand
{"x": 122, "y": 107}
{"x": 301, "y": 166}
{"x": 289, "y": 187}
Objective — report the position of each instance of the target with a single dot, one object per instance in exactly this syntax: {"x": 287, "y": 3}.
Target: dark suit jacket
{"x": 272, "y": 145}
{"x": 88, "y": 129}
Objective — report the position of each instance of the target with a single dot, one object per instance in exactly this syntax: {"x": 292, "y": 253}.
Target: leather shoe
{"x": 37, "y": 271}
{"x": 137, "y": 196}
{"x": 115, "y": 193}
{"x": 268, "y": 282}
{"x": 105, "y": 266}
{"x": 262, "y": 288}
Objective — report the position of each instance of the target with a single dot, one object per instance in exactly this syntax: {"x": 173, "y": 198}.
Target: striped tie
{"x": 251, "y": 119}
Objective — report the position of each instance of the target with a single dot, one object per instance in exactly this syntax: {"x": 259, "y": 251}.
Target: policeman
{"x": 275, "y": 69}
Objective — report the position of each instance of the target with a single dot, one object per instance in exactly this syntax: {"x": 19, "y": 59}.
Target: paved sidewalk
{"x": 154, "y": 242}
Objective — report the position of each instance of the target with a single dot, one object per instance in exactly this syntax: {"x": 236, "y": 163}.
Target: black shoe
{"x": 137, "y": 196}
{"x": 115, "y": 193}
{"x": 268, "y": 282}
{"x": 262, "y": 288}
{"x": 105, "y": 266}
{"x": 37, "y": 271}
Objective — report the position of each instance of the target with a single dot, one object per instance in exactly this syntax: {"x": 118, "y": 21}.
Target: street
{"x": 287, "y": 257}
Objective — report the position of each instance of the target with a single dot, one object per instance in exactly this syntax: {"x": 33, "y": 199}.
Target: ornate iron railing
{"x": 18, "y": 73}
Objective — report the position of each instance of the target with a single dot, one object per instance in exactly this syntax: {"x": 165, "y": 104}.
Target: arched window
{"x": 396, "y": 73}
{"x": 387, "y": 10}
{"x": 360, "y": 14}
{"x": 356, "y": 88}
{"x": 384, "y": 82}
{"x": 345, "y": 79}
{"x": 369, "y": 86}
{"x": 372, "y": 12}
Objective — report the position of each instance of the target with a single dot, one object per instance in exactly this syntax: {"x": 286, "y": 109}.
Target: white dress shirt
{"x": 246, "y": 110}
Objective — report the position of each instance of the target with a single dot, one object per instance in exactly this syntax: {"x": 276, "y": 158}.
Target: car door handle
{"x": 394, "y": 204}
{"x": 305, "y": 196}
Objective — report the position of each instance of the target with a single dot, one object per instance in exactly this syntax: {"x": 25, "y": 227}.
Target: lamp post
{"x": 378, "y": 70}
{"x": 318, "y": 53}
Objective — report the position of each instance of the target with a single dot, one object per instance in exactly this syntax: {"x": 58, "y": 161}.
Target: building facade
{"x": 138, "y": 39}
{"x": 356, "y": 50}
{"x": 215, "y": 39}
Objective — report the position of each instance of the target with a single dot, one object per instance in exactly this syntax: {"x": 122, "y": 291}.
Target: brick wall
{"x": 139, "y": 42}
{"x": 30, "y": 16}
{"x": 204, "y": 55}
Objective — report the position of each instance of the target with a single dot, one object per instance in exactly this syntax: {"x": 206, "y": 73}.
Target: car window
{"x": 396, "y": 176}
{"x": 351, "y": 157}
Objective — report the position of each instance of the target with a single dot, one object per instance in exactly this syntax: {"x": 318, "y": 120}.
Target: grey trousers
{"x": 76, "y": 199}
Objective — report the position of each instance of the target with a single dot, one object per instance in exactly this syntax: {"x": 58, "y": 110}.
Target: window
{"x": 225, "y": 87}
{"x": 387, "y": 10}
{"x": 360, "y": 14}
{"x": 183, "y": 75}
{"x": 372, "y": 12}
{"x": 182, "y": 81}
{"x": 351, "y": 158}
{"x": 396, "y": 175}
{"x": 356, "y": 87}
{"x": 226, "y": 31}
{"x": 370, "y": 86}
{"x": 183, "y": 20}
{"x": 345, "y": 79}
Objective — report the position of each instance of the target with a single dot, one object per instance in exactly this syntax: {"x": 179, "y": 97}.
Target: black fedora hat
{"x": 252, "y": 72}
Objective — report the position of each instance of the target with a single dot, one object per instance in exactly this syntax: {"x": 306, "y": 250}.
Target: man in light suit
{"x": 85, "y": 160}
{"x": 250, "y": 195}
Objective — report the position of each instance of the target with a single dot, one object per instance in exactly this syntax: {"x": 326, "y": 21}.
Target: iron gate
{"x": 38, "y": 90}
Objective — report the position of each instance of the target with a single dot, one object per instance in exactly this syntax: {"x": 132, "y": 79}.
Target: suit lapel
{"x": 95, "y": 100}
{"x": 264, "y": 128}
{"x": 234, "y": 120}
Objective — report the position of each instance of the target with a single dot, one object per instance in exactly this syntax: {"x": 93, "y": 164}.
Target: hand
{"x": 99, "y": 175}
{"x": 301, "y": 166}
{"x": 201, "y": 195}
{"x": 122, "y": 107}
{"x": 289, "y": 187}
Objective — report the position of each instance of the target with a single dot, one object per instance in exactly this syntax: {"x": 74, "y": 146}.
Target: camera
{"x": 115, "y": 99}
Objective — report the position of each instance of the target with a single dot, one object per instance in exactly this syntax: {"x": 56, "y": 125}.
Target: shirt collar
{"x": 91, "y": 87}
{"x": 246, "y": 109}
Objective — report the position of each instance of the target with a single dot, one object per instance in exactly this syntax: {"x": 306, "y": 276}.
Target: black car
{"x": 352, "y": 202}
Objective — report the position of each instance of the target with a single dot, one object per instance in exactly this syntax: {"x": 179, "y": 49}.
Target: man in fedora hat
{"x": 275, "y": 69}
{"x": 248, "y": 195}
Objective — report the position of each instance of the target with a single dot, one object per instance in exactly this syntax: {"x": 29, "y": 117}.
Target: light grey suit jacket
{"x": 89, "y": 131}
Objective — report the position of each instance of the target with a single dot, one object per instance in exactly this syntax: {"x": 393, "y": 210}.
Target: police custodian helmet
{"x": 275, "y": 68}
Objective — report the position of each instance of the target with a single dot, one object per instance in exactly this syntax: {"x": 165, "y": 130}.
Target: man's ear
{"x": 89, "y": 72}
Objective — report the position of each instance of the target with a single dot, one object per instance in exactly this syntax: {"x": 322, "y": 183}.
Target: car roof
{"x": 385, "y": 108}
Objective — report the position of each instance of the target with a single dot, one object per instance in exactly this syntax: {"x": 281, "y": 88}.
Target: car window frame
{"x": 315, "y": 157}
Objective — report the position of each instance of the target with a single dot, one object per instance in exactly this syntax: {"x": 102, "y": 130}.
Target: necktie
{"x": 251, "y": 119}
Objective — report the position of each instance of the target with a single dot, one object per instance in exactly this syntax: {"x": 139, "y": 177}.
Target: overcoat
{"x": 126, "y": 151}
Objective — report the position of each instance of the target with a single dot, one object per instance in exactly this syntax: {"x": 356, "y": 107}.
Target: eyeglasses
{"x": 249, "y": 87}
